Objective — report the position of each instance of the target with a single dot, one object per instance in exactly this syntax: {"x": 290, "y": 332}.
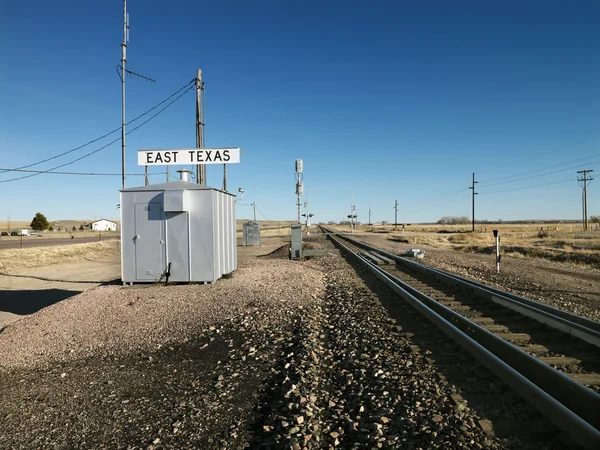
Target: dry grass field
{"x": 32, "y": 257}
{"x": 553, "y": 241}
{"x": 267, "y": 224}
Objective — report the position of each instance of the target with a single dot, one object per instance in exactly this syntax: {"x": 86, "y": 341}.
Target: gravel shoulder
{"x": 27, "y": 290}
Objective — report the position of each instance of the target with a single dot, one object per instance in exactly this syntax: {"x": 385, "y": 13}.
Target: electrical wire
{"x": 261, "y": 213}
{"x": 103, "y": 147}
{"x": 445, "y": 203}
{"x": 526, "y": 187}
{"x": 82, "y": 173}
{"x": 539, "y": 170}
{"x": 593, "y": 138}
{"x": 101, "y": 137}
{"x": 433, "y": 200}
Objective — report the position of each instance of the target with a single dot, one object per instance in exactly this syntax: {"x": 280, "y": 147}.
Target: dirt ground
{"x": 27, "y": 290}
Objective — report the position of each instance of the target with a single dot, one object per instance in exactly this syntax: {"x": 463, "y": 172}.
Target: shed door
{"x": 149, "y": 241}
{"x": 251, "y": 235}
{"x": 178, "y": 245}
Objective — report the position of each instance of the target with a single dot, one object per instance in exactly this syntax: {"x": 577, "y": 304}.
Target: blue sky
{"x": 383, "y": 100}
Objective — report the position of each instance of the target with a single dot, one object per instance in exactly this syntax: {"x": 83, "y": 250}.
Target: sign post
{"x": 497, "y": 236}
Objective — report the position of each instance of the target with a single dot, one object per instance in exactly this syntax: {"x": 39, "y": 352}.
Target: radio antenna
{"x": 122, "y": 70}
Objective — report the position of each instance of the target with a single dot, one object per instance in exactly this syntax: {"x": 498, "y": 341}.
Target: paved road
{"x": 33, "y": 241}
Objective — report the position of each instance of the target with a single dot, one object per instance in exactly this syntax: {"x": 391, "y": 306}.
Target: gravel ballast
{"x": 283, "y": 354}
{"x": 569, "y": 287}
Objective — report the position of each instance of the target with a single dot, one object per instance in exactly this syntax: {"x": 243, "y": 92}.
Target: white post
{"x": 497, "y": 236}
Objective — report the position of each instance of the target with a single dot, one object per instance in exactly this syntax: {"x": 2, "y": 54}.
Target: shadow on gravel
{"x": 115, "y": 282}
{"x": 279, "y": 253}
{"x": 24, "y": 302}
{"x": 51, "y": 279}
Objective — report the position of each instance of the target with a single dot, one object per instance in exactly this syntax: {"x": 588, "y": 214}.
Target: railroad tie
{"x": 514, "y": 337}
{"x": 589, "y": 379}
{"x": 559, "y": 360}
{"x": 496, "y": 328}
{"x": 371, "y": 257}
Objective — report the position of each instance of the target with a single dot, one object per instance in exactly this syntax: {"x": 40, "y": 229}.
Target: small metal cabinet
{"x": 251, "y": 233}
{"x": 296, "y": 247}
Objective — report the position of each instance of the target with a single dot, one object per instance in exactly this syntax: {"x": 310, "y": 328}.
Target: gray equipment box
{"x": 251, "y": 233}
{"x": 178, "y": 231}
{"x": 296, "y": 247}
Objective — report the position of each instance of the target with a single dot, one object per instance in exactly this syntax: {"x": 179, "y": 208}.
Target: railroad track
{"x": 549, "y": 357}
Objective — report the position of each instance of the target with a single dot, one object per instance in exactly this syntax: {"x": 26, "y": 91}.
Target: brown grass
{"x": 566, "y": 243}
{"x": 30, "y": 257}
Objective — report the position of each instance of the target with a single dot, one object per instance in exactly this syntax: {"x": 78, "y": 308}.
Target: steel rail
{"x": 580, "y": 327}
{"x": 580, "y": 419}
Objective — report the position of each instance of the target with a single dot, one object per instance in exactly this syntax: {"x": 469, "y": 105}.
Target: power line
{"x": 433, "y": 200}
{"x": 80, "y": 173}
{"x": 559, "y": 149}
{"x": 444, "y": 204}
{"x": 539, "y": 170}
{"x": 261, "y": 213}
{"x": 528, "y": 187}
{"x": 101, "y": 148}
{"x": 101, "y": 137}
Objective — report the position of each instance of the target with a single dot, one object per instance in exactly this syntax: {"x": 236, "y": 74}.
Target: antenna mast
{"x": 122, "y": 73}
{"x": 299, "y": 184}
{"x": 123, "y": 61}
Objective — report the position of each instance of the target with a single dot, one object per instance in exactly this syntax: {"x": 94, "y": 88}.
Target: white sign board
{"x": 183, "y": 156}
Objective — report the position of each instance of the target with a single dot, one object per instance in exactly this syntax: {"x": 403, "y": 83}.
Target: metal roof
{"x": 173, "y": 185}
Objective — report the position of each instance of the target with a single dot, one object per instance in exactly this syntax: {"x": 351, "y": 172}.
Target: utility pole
{"x": 585, "y": 180}
{"x": 369, "y": 216}
{"x": 396, "y": 215}
{"x": 123, "y": 61}
{"x": 472, "y": 187}
{"x": 225, "y": 177}
{"x": 200, "y": 168}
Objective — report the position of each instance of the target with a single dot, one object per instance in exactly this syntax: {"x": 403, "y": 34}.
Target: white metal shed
{"x": 178, "y": 231}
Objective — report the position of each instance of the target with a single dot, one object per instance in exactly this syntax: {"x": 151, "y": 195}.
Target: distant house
{"x": 103, "y": 225}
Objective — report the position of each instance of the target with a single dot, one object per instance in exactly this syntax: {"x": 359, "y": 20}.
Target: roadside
{"x": 27, "y": 290}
